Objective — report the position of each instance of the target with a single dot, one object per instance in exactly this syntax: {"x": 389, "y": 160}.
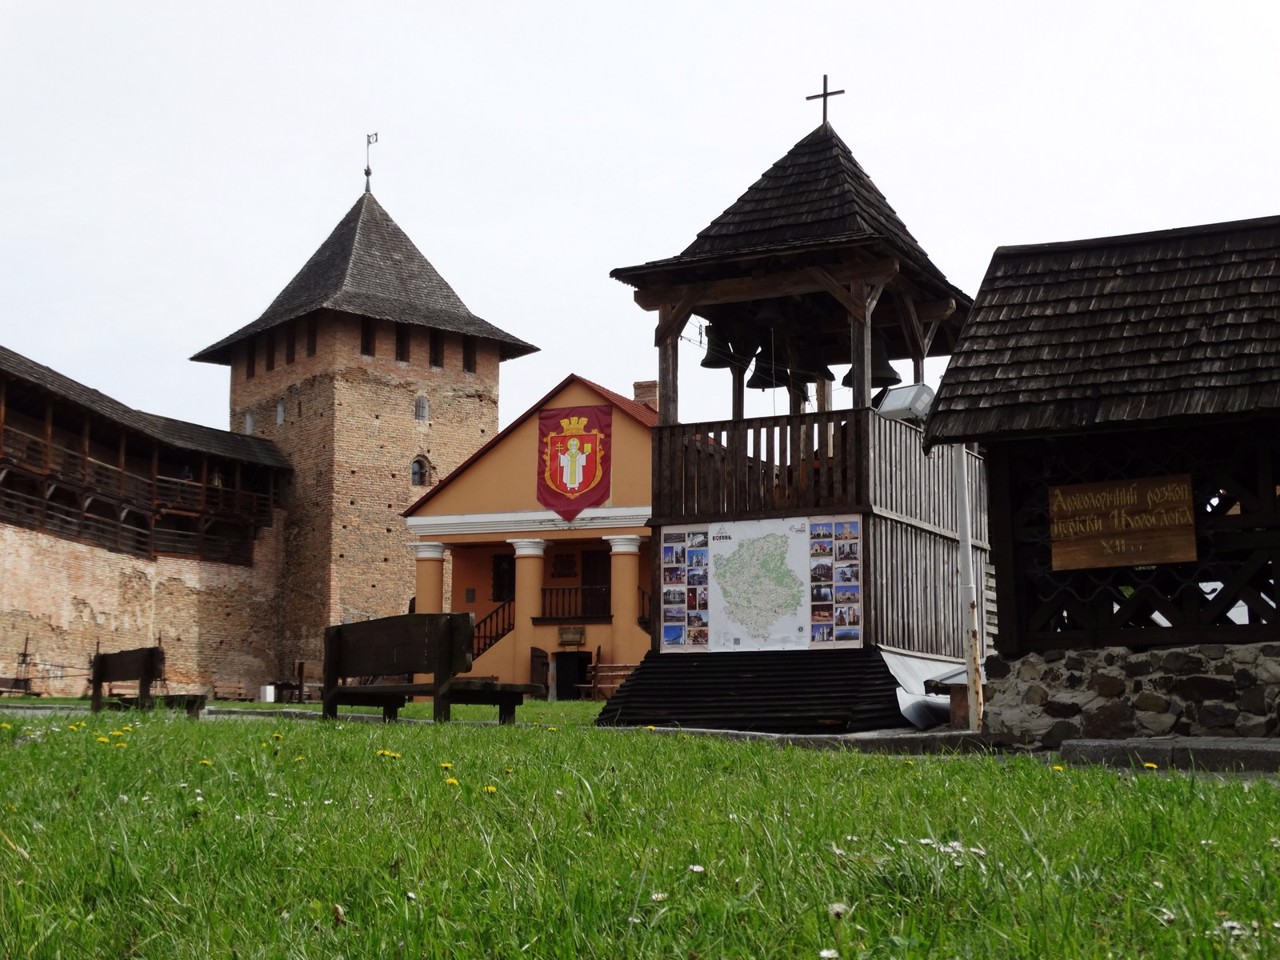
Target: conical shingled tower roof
{"x": 369, "y": 267}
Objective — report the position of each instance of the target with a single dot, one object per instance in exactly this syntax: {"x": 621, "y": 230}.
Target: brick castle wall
{"x": 65, "y": 599}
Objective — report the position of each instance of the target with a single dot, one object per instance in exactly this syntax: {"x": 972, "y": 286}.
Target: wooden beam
{"x": 671, "y": 321}
{"x": 781, "y": 284}
{"x": 856, "y": 307}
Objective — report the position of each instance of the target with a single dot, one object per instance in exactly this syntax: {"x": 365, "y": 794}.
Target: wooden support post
{"x": 860, "y": 349}
{"x": 668, "y": 373}
{"x": 739, "y": 374}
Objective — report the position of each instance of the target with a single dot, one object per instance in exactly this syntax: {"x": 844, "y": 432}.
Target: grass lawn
{"x": 155, "y": 836}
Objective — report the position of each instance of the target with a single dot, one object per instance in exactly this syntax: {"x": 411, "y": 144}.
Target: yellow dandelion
{"x": 452, "y": 781}
{"x": 206, "y": 763}
{"x": 651, "y": 727}
{"x": 490, "y": 788}
{"x": 1059, "y": 767}
{"x": 389, "y": 754}
{"x": 127, "y": 729}
{"x": 553, "y": 728}
{"x": 121, "y": 743}
{"x": 508, "y": 770}
{"x": 1150, "y": 766}
{"x": 263, "y": 744}
{"x": 5, "y": 726}
{"x": 299, "y": 758}
{"x": 277, "y": 736}
{"x": 117, "y": 733}
{"x": 446, "y": 765}
{"x": 104, "y": 739}
{"x": 909, "y": 763}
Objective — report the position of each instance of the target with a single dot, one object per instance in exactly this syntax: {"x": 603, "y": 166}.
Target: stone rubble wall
{"x": 1209, "y": 689}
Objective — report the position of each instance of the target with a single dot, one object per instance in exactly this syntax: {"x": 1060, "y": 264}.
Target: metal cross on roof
{"x": 370, "y": 138}
{"x": 824, "y": 95}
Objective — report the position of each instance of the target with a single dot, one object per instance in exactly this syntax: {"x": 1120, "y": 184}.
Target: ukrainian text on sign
{"x": 1122, "y": 523}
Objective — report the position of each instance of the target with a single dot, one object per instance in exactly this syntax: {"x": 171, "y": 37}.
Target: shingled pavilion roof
{"x": 1091, "y": 334}
{"x": 369, "y": 267}
{"x": 176, "y": 433}
{"x": 815, "y": 197}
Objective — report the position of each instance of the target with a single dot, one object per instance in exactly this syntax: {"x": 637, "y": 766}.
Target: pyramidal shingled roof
{"x": 815, "y": 196}
{"x": 370, "y": 268}
{"x": 817, "y": 191}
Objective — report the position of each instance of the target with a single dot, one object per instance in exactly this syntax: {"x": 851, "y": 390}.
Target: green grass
{"x": 311, "y": 844}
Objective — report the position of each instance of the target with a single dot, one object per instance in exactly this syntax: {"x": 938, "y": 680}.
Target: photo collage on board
{"x": 684, "y": 589}
{"x": 835, "y": 582}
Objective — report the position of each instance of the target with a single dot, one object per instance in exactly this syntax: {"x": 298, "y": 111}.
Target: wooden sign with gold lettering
{"x": 1122, "y": 523}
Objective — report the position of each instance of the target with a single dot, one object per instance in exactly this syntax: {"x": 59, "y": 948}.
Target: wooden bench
{"x": 143, "y": 666}
{"x": 230, "y": 691}
{"x": 603, "y": 679}
{"x": 19, "y": 686}
{"x": 389, "y": 652}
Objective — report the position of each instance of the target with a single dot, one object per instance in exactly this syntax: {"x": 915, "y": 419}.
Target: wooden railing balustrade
{"x": 760, "y": 467}
{"x": 575, "y": 603}
{"x": 493, "y": 627}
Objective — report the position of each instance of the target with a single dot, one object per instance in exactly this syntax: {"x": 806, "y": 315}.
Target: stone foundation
{"x": 1211, "y": 689}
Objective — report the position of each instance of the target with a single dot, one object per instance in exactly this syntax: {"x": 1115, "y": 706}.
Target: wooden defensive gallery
{"x": 363, "y": 383}
{"x": 1126, "y": 392}
{"x": 821, "y": 532}
{"x": 544, "y": 530}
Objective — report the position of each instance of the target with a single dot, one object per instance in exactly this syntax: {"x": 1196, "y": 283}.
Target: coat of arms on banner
{"x": 575, "y": 458}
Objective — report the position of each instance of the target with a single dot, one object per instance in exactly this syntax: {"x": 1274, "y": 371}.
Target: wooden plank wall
{"x": 913, "y": 596}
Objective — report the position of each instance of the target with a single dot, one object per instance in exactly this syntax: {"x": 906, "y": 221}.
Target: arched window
{"x": 421, "y": 409}
{"x": 420, "y": 472}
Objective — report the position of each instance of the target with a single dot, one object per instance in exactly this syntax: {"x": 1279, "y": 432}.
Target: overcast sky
{"x": 168, "y": 167}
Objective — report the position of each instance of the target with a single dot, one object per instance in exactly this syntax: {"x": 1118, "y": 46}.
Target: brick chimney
{"x": 646, "y": 392}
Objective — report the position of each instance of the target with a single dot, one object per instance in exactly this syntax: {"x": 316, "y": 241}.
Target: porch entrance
{"x": 571, "y": 669}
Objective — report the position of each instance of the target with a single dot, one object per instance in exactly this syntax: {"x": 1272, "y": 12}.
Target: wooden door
{"x": 595, "y": 583}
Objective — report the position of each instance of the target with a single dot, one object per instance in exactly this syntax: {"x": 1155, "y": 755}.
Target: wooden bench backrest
{"x": 142, "y": 663}
{"x": 436, "y": 643}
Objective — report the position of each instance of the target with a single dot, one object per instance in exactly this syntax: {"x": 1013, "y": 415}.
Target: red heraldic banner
{"x": 574, "y": 461}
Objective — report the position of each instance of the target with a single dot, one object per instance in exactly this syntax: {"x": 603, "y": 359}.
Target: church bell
{"x": 767, "y": 374}
{"x": 719, "y": 352}
{"x": 807, "y": 365}
{"x": 882, "y": 372}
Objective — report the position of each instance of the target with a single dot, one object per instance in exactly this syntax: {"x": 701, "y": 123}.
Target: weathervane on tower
{"x": 823, "y": 96}
{"x": 370, "y": 138}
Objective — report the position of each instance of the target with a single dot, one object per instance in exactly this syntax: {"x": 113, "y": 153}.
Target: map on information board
{"x": 790, "y": 584}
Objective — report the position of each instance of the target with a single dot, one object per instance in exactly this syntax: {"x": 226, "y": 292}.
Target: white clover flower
{"x": 837, "y": 910}
{"x": 696, "y": 868}
{"x": 658, "y": 897}
{"x": 830, "y": 953}
{"x": 410, "y": 896}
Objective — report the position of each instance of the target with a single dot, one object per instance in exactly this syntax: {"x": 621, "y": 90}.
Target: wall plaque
{"x": 1122, "y": 523}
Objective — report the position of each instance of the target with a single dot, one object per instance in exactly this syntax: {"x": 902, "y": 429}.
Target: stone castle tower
{"x": 375, "y": 380}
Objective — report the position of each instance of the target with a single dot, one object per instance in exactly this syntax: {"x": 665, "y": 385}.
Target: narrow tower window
{"x": 421, "y": 410}
{"x": 469, "y": 354}
{"x": 249, "y": 358}
{"x": 368, "y": 338}
{"x": 437, "y": 348}
{"x": 402, "y": 342}
{"x": 420, "y": 472}
{"x": 271, "y": 350}
{"x": 312, "y": 324}
{"x": 290, "y": 342}
{"x": 279, "y": 412}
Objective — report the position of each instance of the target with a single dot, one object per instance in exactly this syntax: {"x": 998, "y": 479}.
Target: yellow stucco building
{"x": 545, "y": 530}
